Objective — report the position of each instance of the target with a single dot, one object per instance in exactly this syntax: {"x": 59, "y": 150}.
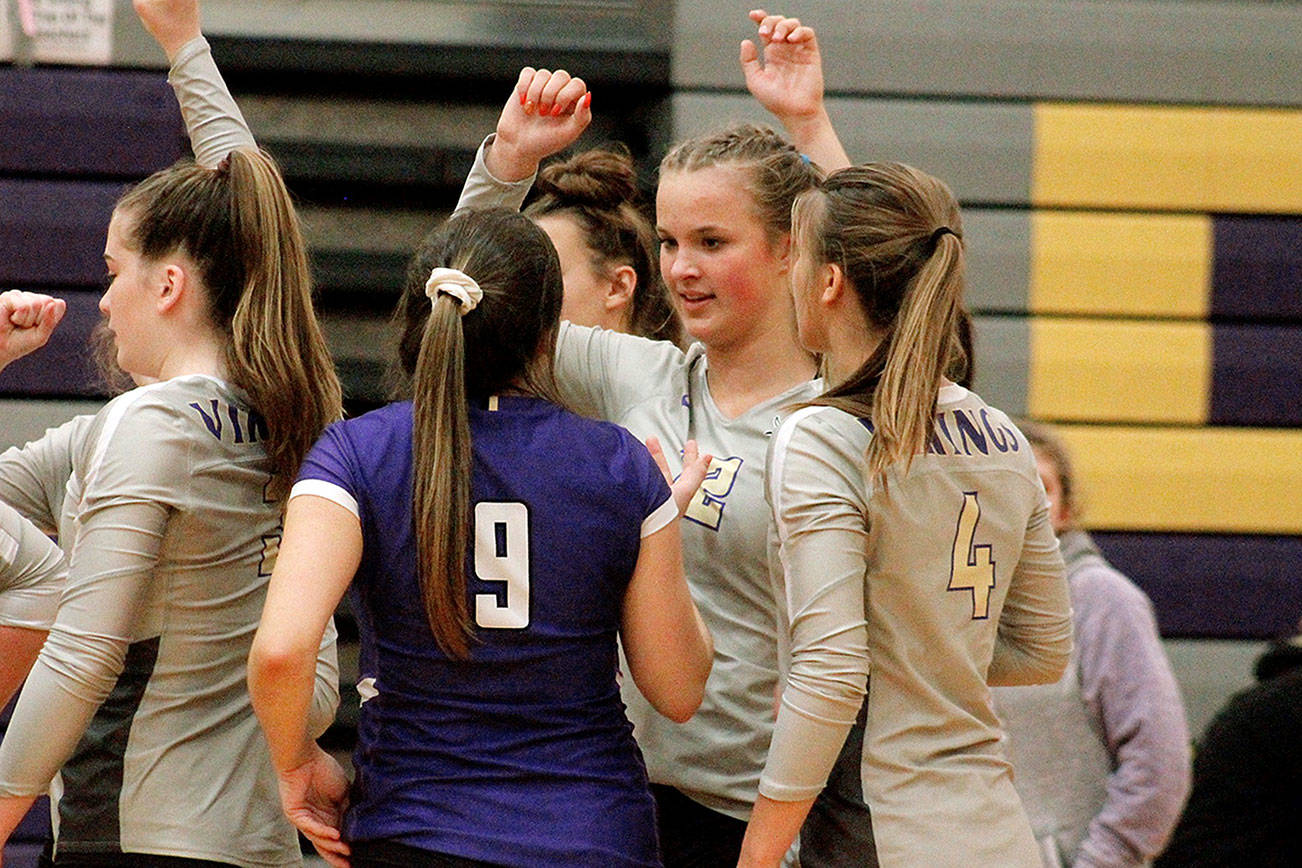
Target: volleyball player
{"x": 723, "y": 218}
{"x": 495, "y": 545}
{"x": 171, "y": 521}
{"x": 589, "y": 207}
{"x": 912, "y": 533}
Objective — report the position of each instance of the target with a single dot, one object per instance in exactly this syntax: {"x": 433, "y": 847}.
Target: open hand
{"x": 172, "y": 23}
{"x": 314, "y": 796}
{"x": 789, "y": 83}
{"x": 695, "y": 467}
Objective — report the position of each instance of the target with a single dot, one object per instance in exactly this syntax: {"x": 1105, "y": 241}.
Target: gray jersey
{"x": 140, "y": 687}
{"x": 944, "y": 579}
{"x": 34, "y": 480}
{"x": 654, "y": 389}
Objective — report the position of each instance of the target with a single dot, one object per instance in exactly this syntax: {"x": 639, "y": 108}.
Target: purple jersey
{"x": 521, "y": 755}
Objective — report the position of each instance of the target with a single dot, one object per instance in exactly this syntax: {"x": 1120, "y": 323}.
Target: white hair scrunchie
{"x": 456, "y": 283}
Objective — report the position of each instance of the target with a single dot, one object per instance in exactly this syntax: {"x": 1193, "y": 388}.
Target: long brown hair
{"x": 238, "y": 225}
{"x": 896, "y": 234}
{"x": 598, "y": 190}
{"x": 511, "y": 338}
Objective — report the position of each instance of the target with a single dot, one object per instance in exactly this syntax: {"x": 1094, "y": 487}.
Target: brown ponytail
{"x": 896, "y": 234}
{"x": 238, "y": 225}
{"x": 506, "y": 343}
{"x": 441, "y": 467}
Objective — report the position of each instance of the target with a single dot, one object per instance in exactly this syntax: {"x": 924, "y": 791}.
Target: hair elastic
{"x": 456, "y": 283}
{"x": 943, "y": 230}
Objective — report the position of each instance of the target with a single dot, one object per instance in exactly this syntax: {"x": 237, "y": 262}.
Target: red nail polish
{"x": 522, "y": 98}
{"x": 556, "y": 110}
{"x": 587, "y": 100}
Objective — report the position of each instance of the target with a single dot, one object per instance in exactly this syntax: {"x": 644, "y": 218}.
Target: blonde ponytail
{"x": 896, "y": 234}
{"x": 238, "y": 225}
{"x": 277, "y": 353}
{"x": 904, "y": 402}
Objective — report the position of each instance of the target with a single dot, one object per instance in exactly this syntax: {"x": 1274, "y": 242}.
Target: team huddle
{"x": 656, "y": 547}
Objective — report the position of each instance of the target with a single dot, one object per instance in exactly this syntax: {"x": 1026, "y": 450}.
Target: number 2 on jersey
{"x": 972, "y": 568}
{"x": 502, "y": 555}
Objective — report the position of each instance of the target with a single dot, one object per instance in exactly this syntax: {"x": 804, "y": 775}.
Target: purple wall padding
{"x": 1257, "y": 375}
{"x": 52, "y": 232}
{"x": 85, "y": 122}
{"x": 1214, "y": 586}
{"x": 63, "y": 367}
{"x": 1257, "y": 268}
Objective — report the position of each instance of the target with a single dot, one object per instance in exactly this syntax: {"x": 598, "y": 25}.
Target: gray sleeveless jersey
{"x": 944, "y": 579}
{"x": 140, "y": 687}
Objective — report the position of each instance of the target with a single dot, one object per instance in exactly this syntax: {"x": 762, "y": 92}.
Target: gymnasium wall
{"x": 1131, "y": 174}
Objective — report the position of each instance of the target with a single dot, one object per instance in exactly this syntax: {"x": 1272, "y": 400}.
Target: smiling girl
{"x": 723, "y": 219}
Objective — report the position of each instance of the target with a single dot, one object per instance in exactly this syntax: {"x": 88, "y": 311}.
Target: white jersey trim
{"x": 781, "y": 441}
{"x": 661, "y": 518}
{"x": 117, "y": 409}
{"x": 328, "y": 490}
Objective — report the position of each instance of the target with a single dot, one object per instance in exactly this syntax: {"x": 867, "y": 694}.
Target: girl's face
{"x": 726, "y": 276}
{"x": 586, "y": 287}
{"x": 129, "y": 302}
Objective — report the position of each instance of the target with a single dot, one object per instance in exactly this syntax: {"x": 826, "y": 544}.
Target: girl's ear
{"x": 833, "y": 283}
{"x": 173, "y": 283}
{"x": 623, "y": 283}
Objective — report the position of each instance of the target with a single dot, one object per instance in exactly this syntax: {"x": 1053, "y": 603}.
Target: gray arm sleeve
{"x": 1125, "y": 674}
{"x": 87, "y": 645}
{"x": 1034, "y": 637}
{"x": 482, "y": 190}
{"x": 325, "y": 690}
{"x": 123, "y": 516}
{"x": 822, "y": 535}
{"x": 212, "y": 118}
{"x": 34, "y": 478}
{"x": 32, "y": 572}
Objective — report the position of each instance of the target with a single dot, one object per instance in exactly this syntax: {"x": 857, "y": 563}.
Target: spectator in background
{"x": 1100, "y": 759}
{"x": 1246, "y": 801}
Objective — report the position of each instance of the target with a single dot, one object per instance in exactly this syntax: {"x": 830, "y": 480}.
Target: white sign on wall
{"x": 73, "y": 31}
{"x": 6, "y": 35}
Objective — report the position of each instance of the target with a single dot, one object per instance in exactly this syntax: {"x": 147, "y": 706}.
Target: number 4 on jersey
{"x": 972, "y": 568}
